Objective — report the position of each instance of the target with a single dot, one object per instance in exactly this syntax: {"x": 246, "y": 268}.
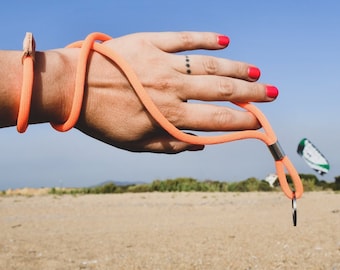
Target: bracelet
{"x": 27, "y": 59}
{"x": 85, "y": 49}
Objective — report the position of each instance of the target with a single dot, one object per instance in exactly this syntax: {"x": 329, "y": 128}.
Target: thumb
{"x": 169, "y": 145}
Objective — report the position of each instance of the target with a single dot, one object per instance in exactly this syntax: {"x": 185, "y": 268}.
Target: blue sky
{"x": 296, "y": 44}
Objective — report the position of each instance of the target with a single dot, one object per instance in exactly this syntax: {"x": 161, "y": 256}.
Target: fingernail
{"x": 254, "y": 73}
{"x": 272, "y": 91}
{"x": 223, "y": 40}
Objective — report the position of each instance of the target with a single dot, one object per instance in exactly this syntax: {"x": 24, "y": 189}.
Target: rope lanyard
{"x": 282, "y": 162}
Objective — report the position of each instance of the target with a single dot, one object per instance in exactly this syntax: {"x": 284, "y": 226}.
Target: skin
{"x": 112, "y": 112}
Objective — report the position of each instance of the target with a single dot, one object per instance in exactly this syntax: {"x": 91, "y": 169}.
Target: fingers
{"x": 183, "y": 41}
{"x": 228, "y": 81}
{"x": 217, "y": 88}
{"x": 200, "y": 65}
{"x": 208, "y": 117}
{"x": 170, "y": 145}
{"x": 208, "y": 65}
{"x": 196, "y": 117}
{"x": 163, "y": 144}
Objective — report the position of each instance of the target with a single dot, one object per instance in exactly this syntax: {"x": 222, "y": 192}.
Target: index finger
{"x": 183, "y": 41}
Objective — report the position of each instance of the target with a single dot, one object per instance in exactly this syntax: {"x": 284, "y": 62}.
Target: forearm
{"x": 10, "y": 86}
{"x": 54, "y": 73}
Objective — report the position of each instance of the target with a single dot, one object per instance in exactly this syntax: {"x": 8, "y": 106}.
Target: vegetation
{"x": 310, "y": 183}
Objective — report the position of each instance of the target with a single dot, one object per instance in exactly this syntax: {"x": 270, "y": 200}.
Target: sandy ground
{"x": 169, "y": 231}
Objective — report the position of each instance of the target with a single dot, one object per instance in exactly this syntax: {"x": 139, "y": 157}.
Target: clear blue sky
{"x": 296, "y": 44}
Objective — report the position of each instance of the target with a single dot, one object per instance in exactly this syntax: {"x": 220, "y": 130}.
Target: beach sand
{"x": 170, "y": 231}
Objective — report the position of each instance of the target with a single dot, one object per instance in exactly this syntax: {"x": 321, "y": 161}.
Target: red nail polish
{"x": 223, "y": 40}
{"x": 272, "y": 91}
{"x": 254, "y": 73}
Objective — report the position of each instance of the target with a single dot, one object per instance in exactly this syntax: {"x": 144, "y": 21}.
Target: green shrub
{"x": 336, "y": 185}
{"x": 264, "y": 186}
{"x": 308, "y": 184}
{"x": 138, "y": 188}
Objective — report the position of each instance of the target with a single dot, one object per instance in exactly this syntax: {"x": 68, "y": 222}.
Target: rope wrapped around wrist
{"x": 27, "y": 60}
{"x": 268, "y": 136}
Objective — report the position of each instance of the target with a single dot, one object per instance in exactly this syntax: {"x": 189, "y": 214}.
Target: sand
{"x": 169, "y": 231}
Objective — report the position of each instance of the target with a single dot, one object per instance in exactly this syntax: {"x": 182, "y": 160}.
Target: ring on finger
{"x": 187, "y": 64}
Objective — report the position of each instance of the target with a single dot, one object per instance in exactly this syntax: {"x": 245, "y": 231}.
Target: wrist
{"x": 54, "y": 78}
{"x": 52, "y": 95}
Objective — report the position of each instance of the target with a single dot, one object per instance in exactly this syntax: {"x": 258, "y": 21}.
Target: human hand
{"x": 113, "y": 113}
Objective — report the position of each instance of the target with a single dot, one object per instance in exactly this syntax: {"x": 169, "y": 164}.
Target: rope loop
{"x": 28, "y": 58}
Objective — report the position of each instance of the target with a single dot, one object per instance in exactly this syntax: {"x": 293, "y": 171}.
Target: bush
{"x": 138, "y": 188}
{"x": 108, "y": 188}
{"x": 264, "y": 186}
{"x": 310, "y": 183}
{"x": 251, "y": 184}
{"x": 336, "y": 185}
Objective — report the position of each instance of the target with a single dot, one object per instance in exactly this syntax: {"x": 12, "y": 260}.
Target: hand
{"x": 113, "y": 113}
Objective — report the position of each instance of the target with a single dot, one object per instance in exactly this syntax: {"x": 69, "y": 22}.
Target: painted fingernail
{"x": 272, "y": 91}
{"x": 223, "y": 40}
{"x": 254, "y": 73}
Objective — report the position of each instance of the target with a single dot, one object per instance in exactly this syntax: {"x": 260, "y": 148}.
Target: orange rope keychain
{"x": 282, "y": 162}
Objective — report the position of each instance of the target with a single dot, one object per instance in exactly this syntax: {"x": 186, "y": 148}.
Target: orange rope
{"x": 282, "y": 162}
{"x": 27, "y": 83}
